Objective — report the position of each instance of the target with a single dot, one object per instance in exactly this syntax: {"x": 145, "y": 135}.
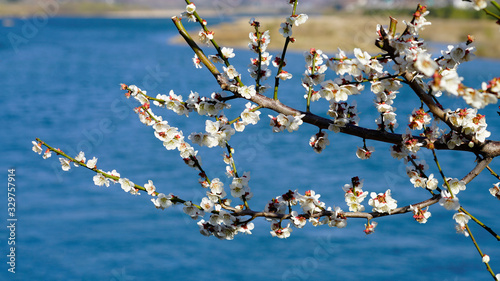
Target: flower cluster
{"x": 419, "y": 214}
{"x": 286, "y": 27}
{"x": 455, "y": 185}
{"x": 37, "y": 148}
{"x": 217, "y": 133}
{"x": 456, "y": 54}
{"x": 462, "y": 220}
{"x": 258, "y": 41}
{"x": 103, "y": 178}
{"x": 353, "y": 69}
{"x": 313, "y": 210}
{"x": 415, "y": 172}
{"x": 315, "y": 72}
{"x": 418, "y": 119}
{"x": 382, "y": 202}
{"x": 286, "y": 122}
{"x": 249, "y": 116}
{"x": 189, "y": 13}
{"x": 223, "y": 225}
{"x": 470, "y": 123}
{"x": 449, "y": 201}
{"x": 342, "y": 114}
{"x": 258, "y": 67}
{"x": 495, "y": 190}
{"x": 171, "y": 137}
{"x": 239, "y": 187}
{"x": 354, "y": 195}
{"x": 384, "y": 96}
{"x": 370, "y": 227}
{"x": 336, "y": 91}
{"x": 365, "y": 152}
{"x": 319, "y": 141}
{"x": 206, "y": 36}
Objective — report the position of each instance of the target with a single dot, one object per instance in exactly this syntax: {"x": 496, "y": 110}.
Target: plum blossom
{"x": 150, "y": 188}
{"x": 91, "y": 163}
{"x": 448, "y": 80}
{"x": 418, "y": 119}
{"x": 162, "y": 201}
{"x": 479, "y": 4}
{"x": 285, "y": 29}
{"x": 319, "y": 141}
{"x": 399, "y": 151}
{"x": 462, "y": 230}
{"x": 189, "y": 12}
{"x": 370, "y": 227}
{"x": 47, "y": 154}
{"x": 461, "y": 218}
{"x": 411, "y": 143}
{"x": 276, "y": 205}
{"x": 426, "y": 64}
{"x": 80, "y": 158}
{"x": 289, "y": 122}
{"x": 495, "y": 190}
{"x": 231, "y": 72}
{"x": 246, "y": 228}
{"x": 196, "y": 61}
{"x": 100, "y": 180}
{"x": 284, "y": 75}
{"x": 191, "y": 210}
{"x": 280, "y": 232}
{"x": 364, "y": 153}
{"x": 456, "y": 185}
{"x": 432, "y": 182}
{"x": 382, "y": 202}
{"x": 419, "y": 214}
{"x": 255, "y": 42}
{"x": 205, "y": 37}
{"x": 239, "y": 186}
{"x": 247, "y": 91}
{"x": 297, "y": 19}
{"x": 310, "y": 202}
{"x": 338, "y": 218}
{"x": 190, "y": 8}
{"x": 298, "y": 221}
{"x": 227, "y": 52}
{"x": 216, "y": 186}
{"x": 249, "y": 115}
{"x": 65, "y": 164}
{"x": 37, "y": 147}
{"x": 342, "y": 114}
{"x": 449, "y": 202}
{"x": 354, "y": 195}
{"x": 126, "y": 184}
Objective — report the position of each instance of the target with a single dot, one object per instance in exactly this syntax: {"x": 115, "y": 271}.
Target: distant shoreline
{"x": 325, "y": 32}
{"x": 347, "y": 32}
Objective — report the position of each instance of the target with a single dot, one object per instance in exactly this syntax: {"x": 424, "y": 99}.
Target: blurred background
{"x": 61, "y": 65}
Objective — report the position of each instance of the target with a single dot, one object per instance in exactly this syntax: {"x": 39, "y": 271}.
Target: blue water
{"x": 61, "y": 84}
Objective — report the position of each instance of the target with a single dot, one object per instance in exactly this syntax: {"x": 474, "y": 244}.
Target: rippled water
{"x": 62, "y": 85}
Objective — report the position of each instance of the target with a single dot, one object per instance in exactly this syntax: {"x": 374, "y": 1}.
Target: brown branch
{"x": 427, "y": 99}
{"x": 481, "y": 165}
{"x": 488, "y": 149}
{"x": 401, "y": 210}
{"x": 203, "y": 58}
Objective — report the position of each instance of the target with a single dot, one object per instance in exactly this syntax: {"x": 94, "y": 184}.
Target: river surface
{"x": 61, "y": 83}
